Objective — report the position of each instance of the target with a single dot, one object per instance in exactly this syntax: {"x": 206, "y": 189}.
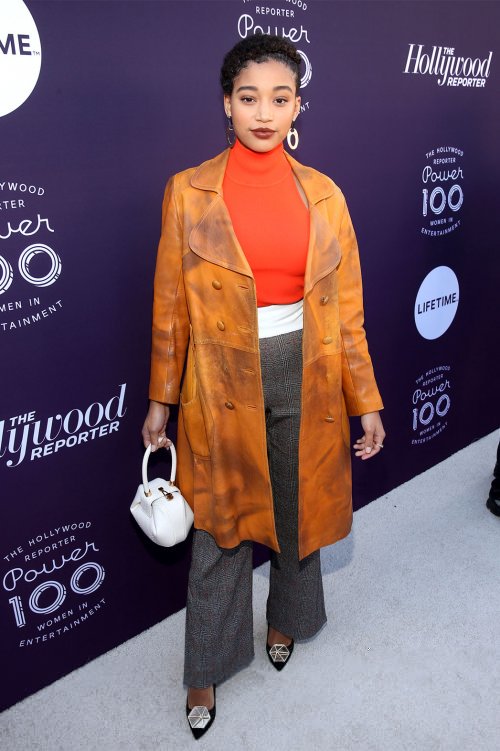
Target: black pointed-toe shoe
{"x": 200, "y": 718}
{"x": 279, "y": 654}
{"x": 493, "y": 504}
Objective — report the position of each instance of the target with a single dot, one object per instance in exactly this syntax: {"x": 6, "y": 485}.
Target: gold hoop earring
{"x": 292, "y": 137}
{"x": 229, "y": 131}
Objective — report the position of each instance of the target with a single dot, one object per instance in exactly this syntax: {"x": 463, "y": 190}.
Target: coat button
{"x": 216, "y": 284}
{"x": 220, "y": 325}
{"x": 327, "y": 340}
{"x": 323, "y": 300}
{"x": 229, "y": 405}
{"x": 329, "y": 418}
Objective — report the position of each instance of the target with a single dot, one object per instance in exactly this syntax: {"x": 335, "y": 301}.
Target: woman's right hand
{"x": 155, "y": 425}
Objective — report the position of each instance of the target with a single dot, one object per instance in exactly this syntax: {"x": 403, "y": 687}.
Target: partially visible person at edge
{"x": 493, "y": 500}
{"x": 258, "y": 332}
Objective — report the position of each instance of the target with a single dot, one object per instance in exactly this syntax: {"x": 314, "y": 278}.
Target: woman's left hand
{"x": 373, "y": 440}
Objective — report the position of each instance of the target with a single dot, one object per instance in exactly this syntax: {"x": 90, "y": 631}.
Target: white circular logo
{"x": 20, "y": 55}
{"x": 436, "y": 303}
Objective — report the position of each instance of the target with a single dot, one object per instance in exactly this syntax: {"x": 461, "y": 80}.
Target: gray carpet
{"x": 409, "y": 658}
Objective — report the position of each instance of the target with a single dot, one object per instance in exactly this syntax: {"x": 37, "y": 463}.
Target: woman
{"x": 258, "y": 330}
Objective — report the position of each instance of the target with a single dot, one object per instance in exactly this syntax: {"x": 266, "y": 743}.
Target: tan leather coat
{"x": 206, "y": 352}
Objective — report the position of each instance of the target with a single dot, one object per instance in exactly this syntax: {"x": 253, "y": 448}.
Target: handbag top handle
{"x": 145, "y": 466}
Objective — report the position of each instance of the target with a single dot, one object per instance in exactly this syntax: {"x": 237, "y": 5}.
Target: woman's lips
{"x": 263, "y": 132}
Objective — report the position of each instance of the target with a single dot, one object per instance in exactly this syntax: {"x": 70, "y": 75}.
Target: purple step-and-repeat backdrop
{"x": 99, "y": 103}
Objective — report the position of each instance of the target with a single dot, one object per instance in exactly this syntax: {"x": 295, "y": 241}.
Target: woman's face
{"x": 263, "y": 104}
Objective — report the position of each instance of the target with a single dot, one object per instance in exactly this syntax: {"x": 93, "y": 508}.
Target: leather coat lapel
{"x": 324, "y": 250}
{"x": 214, "y": 239}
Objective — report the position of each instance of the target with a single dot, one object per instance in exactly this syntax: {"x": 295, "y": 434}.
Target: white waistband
{"x": 280, "y": 319}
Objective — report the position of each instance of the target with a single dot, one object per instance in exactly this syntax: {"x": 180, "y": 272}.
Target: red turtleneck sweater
{"x": 270, "y": 220}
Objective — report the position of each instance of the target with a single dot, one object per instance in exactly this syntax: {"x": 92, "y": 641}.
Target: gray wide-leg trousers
{"x": 219, "y": 618}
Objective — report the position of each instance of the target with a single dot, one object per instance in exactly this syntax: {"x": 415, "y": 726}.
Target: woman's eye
{"x": 247, "y": 99}
{"x": 281, "y": 100}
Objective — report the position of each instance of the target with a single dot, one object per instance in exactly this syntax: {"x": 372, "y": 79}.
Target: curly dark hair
{"x": 258, "y": 48}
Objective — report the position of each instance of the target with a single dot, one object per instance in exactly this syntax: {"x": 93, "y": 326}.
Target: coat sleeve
{"x": 170, "y": 334}
{"x": 358, "y": 381}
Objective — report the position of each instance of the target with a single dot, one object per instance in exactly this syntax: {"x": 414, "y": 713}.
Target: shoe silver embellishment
{"x": 279, "y": 653}
{"x": 199, "y": 717}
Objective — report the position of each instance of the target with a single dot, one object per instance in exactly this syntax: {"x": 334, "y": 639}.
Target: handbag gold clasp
{"x": 167, "y": 495}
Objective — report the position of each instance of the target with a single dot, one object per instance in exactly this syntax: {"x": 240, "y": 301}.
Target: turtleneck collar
{"x": 257, "y": 169}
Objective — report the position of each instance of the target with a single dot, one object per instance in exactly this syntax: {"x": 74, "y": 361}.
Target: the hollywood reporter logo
{"x": 442, "y": 191}
{"x": 54, "y": 554}
{"x": 23, "y": 436}
{"x": 431, "y": 403}
{"x": 452, "y": 68}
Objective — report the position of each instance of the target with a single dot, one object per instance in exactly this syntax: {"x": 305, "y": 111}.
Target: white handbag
{"x": 159, "y": 508}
